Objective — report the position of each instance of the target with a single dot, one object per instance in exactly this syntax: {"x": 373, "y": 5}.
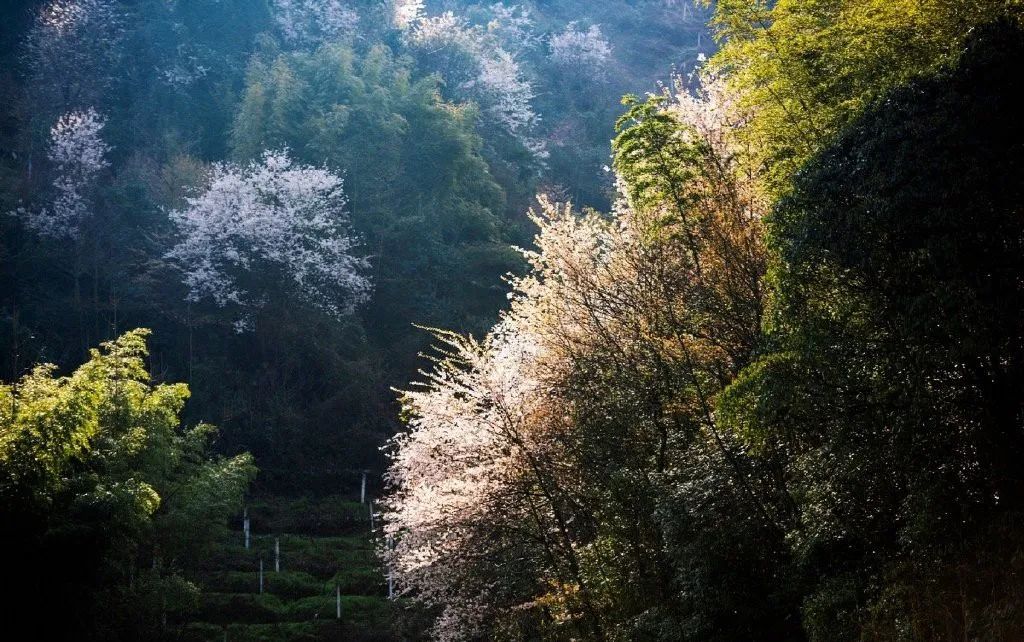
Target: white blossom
{"x": 407, "y": 13}
{"x": 505, "y": 92}
{"x": 464, "y": 477}
{"x": 445, "y": 31}
{"x": 455, "y": 468}
{"x": 309, "y": 21}
{"x": 70, "y": 49}
{"x": 586, "y": 52}
{"x": 474, "y": 62}
{"x": 271, "y": 217}
{"x": 513, "y": 26}
{"x": 79, "y": 155}
{"x": 483, "y": 481}
{"x": 704, "y": 102}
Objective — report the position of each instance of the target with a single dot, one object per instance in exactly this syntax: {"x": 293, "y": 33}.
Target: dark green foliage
{"x": 103, "y": 495}
{"x": 898, "y": 359}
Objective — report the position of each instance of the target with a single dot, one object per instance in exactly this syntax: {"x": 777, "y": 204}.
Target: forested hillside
{"x": 133, "y": 132}
{"x": 538, "y": 320}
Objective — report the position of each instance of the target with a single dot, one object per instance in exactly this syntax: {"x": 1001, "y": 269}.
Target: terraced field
{"x": 326, "y": 551}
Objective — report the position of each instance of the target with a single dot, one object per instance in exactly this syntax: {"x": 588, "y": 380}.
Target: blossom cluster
{"x": 307, "y": 21}
{"x": 407, "y": 13}
{"x": 480, "y": 63}
{"x": 265, "y": 218}
{"x": 78, "y": 154}
{"x": 492, "y": 471}
{"x": 585, "y": 52}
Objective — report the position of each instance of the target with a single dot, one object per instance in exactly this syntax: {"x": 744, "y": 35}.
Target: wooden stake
{"x": 277, "y": 554}
{"x": 261, "y": 576}
{"x": 338, "y": 602}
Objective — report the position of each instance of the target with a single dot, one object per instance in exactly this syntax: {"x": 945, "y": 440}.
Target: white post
{"x": 245, "y": 527}
{"x": 277, "y": 554}
{"x": 261, "y": 576}
{"x": 338, "y": 602}
{"x": 362, "y": 490}
{"x": 391, "y": 577}
{"x": 371, "y": 515}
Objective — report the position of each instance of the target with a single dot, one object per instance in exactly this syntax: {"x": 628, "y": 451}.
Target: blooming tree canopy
{"x": 270, "y": 218}
{"x": 407, "y": 13}
{"x": 79, "y": 155}
{"x": 69, "y": 51}
{"x": 514, "y": 27}
{"x": 501, "y": 488}
{"x": 307, "y": 21}
{"x": 506, "y": 92}
{"x": 480, "y": 64}
{"x": 585, "y": 52}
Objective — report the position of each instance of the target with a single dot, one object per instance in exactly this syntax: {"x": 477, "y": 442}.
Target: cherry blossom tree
{"x": 446, "y": 504}
{"x": 271, "y": 219}
{"x": 407, "y": 13}
{"x": 584, "y": 52}
{"x": 307, "y": 22}
{"x": 78, "y": 154}
{"x": 537, "y": 458}
{"x": 514, "y": 27}
{"x": 477, "y": 64}
{"x": 484, "y": 489}
{"x": 70, "y": 50}
{"x": 505, "y": 92}
{"x": 710, "y": 110}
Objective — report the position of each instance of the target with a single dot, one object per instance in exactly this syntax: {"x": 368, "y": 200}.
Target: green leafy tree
{"x": 104, "y": 496}
{"x": 808, "y": 68}
{"x": 896, "y": 360}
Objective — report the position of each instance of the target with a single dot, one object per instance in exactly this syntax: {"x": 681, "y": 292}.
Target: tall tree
{"x": 104, "y": 495}
{"x": 895, "y": 371}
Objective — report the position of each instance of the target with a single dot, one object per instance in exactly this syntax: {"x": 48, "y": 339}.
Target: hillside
{"x": 653, "y": 320}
